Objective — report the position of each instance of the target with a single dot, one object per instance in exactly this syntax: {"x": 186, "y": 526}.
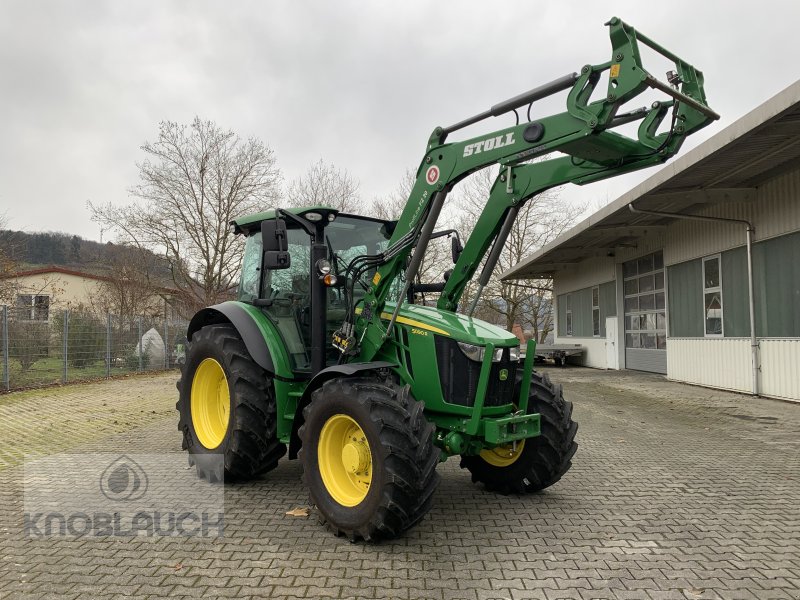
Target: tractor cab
{"x": 294, "y": 293}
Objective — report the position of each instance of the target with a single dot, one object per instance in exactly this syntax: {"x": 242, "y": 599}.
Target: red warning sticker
{"x": 432, "y": 176}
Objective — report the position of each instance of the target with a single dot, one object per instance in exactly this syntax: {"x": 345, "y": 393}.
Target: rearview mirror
{"x": 273, "y": 235}
{"x": 275, "y": 244}
{"x": 455, "y": 248}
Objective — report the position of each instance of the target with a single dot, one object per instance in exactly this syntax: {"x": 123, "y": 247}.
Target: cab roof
{"x": 248, "y": 223}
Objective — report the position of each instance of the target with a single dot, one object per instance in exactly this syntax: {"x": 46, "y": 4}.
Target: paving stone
{"x": 676, "y": 492}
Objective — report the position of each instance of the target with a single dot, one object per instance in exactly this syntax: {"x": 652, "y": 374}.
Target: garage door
{"x": 645, "y": 314}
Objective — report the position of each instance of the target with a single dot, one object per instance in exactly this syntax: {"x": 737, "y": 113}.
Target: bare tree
{"x": 325, "y": 184}
{"x": 8, "y": 263}
{"x": 194, "y": 181}
{"x": 541, "y": 219}
{"x": 437, "y": 255}
{"x": 132, "y": 286}
{"x": 391, "y": 206}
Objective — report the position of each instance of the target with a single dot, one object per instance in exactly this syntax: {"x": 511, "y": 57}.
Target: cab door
{"x": 285, "y": 294}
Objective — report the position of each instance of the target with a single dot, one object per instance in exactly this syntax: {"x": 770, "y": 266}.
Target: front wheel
{"x": 533, "y": 464}
{"x": 368, "y": 457}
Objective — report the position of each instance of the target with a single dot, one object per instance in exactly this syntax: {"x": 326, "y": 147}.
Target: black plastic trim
{"x": 229, "y": 312}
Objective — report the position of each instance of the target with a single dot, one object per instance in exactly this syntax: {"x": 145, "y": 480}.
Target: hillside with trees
{"x": 31, "y": 250}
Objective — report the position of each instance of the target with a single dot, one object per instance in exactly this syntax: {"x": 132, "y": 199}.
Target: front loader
{"x": 326, "y": 352}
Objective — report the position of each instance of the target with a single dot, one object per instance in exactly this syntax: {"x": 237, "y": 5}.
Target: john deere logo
{"x": 503, "y": 374}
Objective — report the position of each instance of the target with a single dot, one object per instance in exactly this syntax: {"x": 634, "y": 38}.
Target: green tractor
{"x": 328, "y": 351}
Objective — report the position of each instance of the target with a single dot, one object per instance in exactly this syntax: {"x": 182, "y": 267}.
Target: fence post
{"x": 166, "y": 345}
{"x": 65, "y": 332}
{"x": 108, "y": 345}
{"x": 140, "y": 343}
{"x": 6, "y": 369}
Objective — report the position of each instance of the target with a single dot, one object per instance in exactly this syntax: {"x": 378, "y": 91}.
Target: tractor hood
{"x": 456, "y": 326}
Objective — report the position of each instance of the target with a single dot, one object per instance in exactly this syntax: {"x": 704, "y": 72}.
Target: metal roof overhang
{"x": 727, "y": 167}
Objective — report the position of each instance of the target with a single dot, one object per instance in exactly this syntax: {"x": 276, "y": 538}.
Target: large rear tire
{"x": 368, "y": 457}
{"x": 227, "y": 406}
{"x": 536, "y": 463}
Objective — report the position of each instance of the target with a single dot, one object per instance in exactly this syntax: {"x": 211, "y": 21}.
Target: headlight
{"x": 323, "y": 267}
{"x": 472, "y": 352}
{"x": 476, "y": 353}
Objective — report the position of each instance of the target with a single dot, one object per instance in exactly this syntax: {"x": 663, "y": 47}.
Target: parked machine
{"x": 326, "y": 352}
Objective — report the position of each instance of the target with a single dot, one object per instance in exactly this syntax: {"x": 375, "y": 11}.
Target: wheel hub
{"x": 355, "y": 456}
{"x": 210, "y": 403}
{"x": 345, "y": 460}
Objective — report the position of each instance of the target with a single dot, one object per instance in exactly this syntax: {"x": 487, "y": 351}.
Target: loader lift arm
{"x": 584, "y": 133}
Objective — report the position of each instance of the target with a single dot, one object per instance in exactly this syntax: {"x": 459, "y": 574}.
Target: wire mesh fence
{"x": 66, "y": 346}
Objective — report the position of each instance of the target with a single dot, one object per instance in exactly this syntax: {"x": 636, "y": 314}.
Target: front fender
{"x": 259, "y": 335}
{"x": 346, "y": 370}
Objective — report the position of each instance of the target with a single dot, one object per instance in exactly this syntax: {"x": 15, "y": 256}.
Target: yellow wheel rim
{"x": 345, "y": 460}
{"x": 210, "y": 403}
{"x": 503, "y": 456}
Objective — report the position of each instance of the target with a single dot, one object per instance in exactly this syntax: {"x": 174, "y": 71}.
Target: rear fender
{"x": 348, "y": 370}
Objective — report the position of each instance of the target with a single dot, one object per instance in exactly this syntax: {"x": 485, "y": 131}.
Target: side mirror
{"x": 455, "y": 248}
{"x": 275, "y": 244}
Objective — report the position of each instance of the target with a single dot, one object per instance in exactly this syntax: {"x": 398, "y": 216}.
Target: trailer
{"x": 558, "y": 352}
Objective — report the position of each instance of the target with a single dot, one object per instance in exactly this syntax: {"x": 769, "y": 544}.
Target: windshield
{"x": 349, "y": 237}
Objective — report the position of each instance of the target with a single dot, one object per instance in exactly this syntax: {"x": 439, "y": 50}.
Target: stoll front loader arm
{"x": 590, "y": 151}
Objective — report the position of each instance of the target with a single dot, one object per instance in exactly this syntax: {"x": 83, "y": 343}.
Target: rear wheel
{"x": 368, "y": 457}
{"x": 536, "y": 463}
{"x": 226, "y": 406}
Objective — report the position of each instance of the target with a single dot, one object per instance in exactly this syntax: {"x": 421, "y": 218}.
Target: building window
{"x": 569, "y": 315}
{"x": 33, "y": 308}
{"x": 596, "y": 311}
{"x": 645, "y": 302}
{"x": 712, "y": 296}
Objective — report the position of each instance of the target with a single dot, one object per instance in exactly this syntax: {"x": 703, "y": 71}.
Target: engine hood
{"x": 456, "y": 326}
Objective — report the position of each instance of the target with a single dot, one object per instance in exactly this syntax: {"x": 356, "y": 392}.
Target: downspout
{"x": 751, "y": 291}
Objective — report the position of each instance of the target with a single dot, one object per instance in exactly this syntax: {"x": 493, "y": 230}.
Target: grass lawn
{"x": 50, "y": 370}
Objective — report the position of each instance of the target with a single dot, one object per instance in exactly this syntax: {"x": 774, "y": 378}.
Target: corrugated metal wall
{"x": 725, "y": 363}
{"x": 685, "y": 299}
{"x": 561, "y": 315}
{"x": 776, "y": 276}
{"x": 780, "y": 368}
{"x": 608, "y": 304}
{"x": 593, "y": 271}
{"x": 648, "y": 245}
{"x": 715, "y": 362}
{"x": 652, "y": 361}
{"x": 581, "y": 306}
{"x": 776, "y": 212}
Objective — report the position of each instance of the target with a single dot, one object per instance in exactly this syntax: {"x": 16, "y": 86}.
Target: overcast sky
{"x": 359, "y": 84}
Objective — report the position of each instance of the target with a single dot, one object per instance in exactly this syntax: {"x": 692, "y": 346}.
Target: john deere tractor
{"x": 328, "y": 349}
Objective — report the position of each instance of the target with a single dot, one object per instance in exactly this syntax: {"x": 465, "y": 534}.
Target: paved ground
{"x": 676, "y": 492}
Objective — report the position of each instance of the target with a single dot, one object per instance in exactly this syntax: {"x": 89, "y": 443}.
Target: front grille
{"x": 501, "y": 391}
{"x": 459, "y": 376}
